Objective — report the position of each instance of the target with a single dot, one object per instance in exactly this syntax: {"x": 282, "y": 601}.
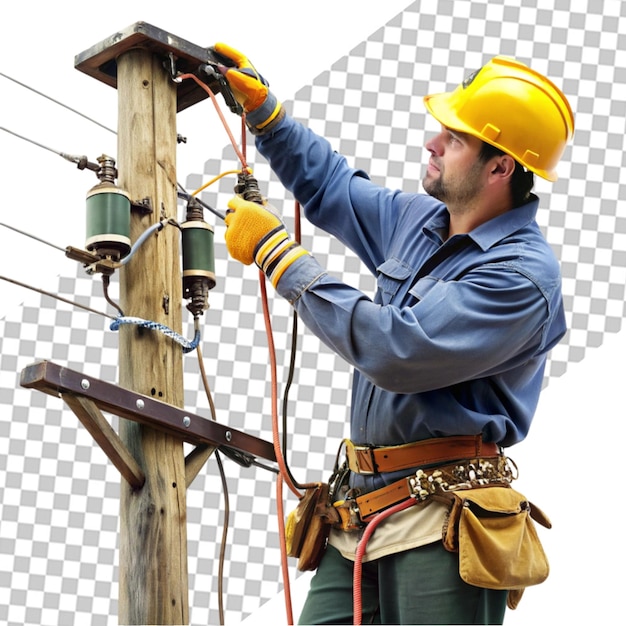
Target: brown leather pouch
{"x": 308, "y": 526}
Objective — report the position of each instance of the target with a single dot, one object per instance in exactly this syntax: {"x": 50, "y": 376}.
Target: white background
{"x": 570, "y": 463}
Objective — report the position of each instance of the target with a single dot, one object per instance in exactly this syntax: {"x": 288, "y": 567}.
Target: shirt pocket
{"x": 392, "y": 274}
{"x": 424, "y": 286}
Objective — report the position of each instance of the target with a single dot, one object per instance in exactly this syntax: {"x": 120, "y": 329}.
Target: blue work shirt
{"x": 460, "y": 350}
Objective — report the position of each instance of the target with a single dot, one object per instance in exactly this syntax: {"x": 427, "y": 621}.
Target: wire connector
{"x": 248, "y": 187}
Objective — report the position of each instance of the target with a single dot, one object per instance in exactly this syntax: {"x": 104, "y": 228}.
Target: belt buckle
{"x": 362, "y": 458}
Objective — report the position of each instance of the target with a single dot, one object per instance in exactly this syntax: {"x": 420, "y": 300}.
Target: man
{"x": 449, "y": 356}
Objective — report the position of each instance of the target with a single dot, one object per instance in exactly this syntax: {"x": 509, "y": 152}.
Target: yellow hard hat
{"x": 512, "y": 107}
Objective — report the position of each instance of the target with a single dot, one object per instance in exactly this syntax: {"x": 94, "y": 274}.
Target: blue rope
{"x": 187, "y": 345}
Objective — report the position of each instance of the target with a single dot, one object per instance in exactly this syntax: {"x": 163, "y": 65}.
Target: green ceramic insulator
{"x": 108, "y": 221}
{"x": 198, "y": 250}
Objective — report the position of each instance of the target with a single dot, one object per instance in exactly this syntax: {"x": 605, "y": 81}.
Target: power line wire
{"x": 21, "y": 232}
{"x": 36, "y": 143}
{"x": 55, "y": 296}
{"x": 82, "y": 161}
{"x": 39, "y": 93}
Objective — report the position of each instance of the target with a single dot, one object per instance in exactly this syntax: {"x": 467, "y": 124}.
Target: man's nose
{"x": 433, "y": 145}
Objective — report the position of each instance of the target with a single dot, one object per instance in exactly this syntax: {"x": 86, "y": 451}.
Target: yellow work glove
{"x": 255, "y": 234}
{"x": 250, "y": 89}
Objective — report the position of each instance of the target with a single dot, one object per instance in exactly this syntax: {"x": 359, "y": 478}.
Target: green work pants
{"x": 418, "y": 586}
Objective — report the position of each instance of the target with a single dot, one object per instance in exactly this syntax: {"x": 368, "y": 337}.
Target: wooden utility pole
{"x": 141, "y": 62}
{"x": 153, "y": 537}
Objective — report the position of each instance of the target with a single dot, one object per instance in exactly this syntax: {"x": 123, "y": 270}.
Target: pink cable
{"x": 360, "y": 551}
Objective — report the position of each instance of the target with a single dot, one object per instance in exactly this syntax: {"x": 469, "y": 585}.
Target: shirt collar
{"x": 488, "y": 234}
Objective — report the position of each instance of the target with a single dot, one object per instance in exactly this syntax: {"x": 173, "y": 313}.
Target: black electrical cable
{"x": 220, "y": 467}
{"x": 288, "y": 383}
{"x": 106, "y": 279}
{"x": 220, "y": 575}
{"x": 184, "y": 195}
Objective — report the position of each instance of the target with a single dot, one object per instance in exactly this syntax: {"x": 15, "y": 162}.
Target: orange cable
{"x": 238, "y": 152}
{"x": 272, "y": 350}
{"x": 281, "y": 534}
{"x": 284, "y": 474}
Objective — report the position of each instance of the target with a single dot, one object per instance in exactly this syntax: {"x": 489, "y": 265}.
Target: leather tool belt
{"x": 459, "y": 463}
{"x": 466, "y": 474}
{"x": 373, "y": 459}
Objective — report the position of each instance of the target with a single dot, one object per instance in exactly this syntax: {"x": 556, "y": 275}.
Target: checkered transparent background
{"x": 59, "y": 493}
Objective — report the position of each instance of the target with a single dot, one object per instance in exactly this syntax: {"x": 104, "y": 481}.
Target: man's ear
{"x": 503, "y": 165}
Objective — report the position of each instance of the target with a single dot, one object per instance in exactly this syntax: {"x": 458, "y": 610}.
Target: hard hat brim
{"x": 442, "y": 107}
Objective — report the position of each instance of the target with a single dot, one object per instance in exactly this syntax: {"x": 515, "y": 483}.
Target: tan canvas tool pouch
{"x": 492, "y": 530}
{"x": 308, "y": 526}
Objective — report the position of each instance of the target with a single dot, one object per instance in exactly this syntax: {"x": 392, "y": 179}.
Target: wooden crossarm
{"x": 58, "y": 381}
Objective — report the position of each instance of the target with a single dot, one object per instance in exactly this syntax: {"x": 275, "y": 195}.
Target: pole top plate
{"x": 100, "y": 61}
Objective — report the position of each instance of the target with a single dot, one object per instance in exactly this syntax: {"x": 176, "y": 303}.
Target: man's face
{"x": 455, "y": 173}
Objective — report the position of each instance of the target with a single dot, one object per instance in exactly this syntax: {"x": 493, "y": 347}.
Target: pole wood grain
{"x": 153, "y": 536}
